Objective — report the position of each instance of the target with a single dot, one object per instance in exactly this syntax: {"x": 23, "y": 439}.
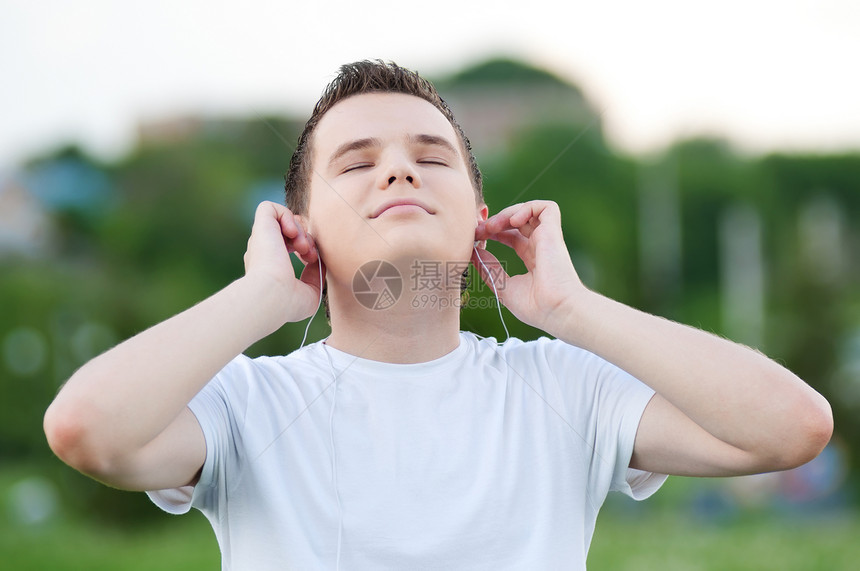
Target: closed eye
{"x": 433, "y": 162}
{"x": 356, "y": 167}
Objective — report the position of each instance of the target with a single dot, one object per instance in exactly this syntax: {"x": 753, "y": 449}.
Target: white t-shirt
{"x": 494, "y": 456}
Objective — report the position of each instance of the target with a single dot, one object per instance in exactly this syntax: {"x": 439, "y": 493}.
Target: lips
{"x": 400, "y": 202}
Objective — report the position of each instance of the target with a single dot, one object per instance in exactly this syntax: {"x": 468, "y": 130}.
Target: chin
{"x": 412, "y": 242}
{"x": 406, "y": 256}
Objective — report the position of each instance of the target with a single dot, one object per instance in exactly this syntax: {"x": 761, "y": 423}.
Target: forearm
{"x": 733, "y": 392}
{"x": 721, "y": 408}
{"x": 125, "y": 397}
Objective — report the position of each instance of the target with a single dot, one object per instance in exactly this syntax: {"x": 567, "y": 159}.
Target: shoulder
{"x": 245, "y": 374}
{"x": 543, "y": 350}
{"x": 582, "y": 375}
{"x": 304, "y": 359}
{"x": 264, "y": 385}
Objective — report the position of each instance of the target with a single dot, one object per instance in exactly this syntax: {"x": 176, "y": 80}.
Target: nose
{"x": 399, "y": 169}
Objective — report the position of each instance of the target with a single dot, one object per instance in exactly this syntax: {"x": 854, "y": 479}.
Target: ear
{"x": 482, "y": 213}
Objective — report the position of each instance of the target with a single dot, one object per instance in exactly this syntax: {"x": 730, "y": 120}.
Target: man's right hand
{"x": 276, "y": 233}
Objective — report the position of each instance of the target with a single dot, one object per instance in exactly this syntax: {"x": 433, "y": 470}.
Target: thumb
{"x": 490, "y": 269}
{"x": 313, "y": 274}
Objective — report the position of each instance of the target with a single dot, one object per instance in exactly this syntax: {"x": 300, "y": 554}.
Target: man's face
{"x": 374, "y": 149}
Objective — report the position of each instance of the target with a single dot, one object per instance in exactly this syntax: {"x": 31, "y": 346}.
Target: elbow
{"x": 818, "y": 427}
{"x": 72, "y": 438}
{"x": 812, "y": 429}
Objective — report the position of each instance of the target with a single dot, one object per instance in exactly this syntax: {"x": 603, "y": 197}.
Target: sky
{"x": 767, "y": 75}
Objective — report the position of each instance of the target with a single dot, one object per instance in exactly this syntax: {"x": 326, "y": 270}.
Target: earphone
{"x": 319, "y": 261}
{"x": 495, "y": 293}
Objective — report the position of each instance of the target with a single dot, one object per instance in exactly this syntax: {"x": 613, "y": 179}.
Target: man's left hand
{"x": 533, "y": 230}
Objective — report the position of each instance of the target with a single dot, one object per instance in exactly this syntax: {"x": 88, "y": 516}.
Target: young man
{"x": 400, "y": 441}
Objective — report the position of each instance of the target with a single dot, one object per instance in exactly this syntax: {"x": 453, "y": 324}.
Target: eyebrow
{"x": 433, "y": 140}
{"x": 366, "y": 143}
{"x": 356, "y": 145}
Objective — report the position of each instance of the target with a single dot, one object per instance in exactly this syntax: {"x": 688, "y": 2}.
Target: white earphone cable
{"x": 498, "y": 303}
{"x": 308, "y": 326}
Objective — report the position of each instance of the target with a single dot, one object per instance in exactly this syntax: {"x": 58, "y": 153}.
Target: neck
{"x": 415, "y": 329}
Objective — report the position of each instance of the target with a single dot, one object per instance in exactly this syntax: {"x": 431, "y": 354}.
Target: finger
{"x": 499, "y": 221}
{"x": 481, "y": 231}
{"x": 314, "y": 274}
{"x": 511, "y": 238}
{"x": 528, "y": 213}
{"x": 490, "y": 228}
{"x": 489, "y": 268}
{"x": 526, "y": 217}
{"x": 529, "y": 217}
{"x": 507, "y": 211}
{"x": 518, "y": 216}
{"x": 269, "y": 209}
{"x": 295, "y": 236}
{"x": 289, "y": 227}
{"x": 522, "y": 212}
{"x": 538, "y": 212}
{"x": 310, "y": 254}
{"x": 264, "y": 215}
{"x": 302, "y": 240}
{"x": 266, "y": 225}
{"x": 270, "y": 214}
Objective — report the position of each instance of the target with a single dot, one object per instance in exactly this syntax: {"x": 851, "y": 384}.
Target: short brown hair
{"x": 355, "y": 79}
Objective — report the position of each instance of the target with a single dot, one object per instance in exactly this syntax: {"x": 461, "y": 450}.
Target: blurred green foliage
{"x": 170, "y": 227}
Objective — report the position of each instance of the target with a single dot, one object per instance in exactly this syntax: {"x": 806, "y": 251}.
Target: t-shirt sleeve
{"x": 219, "y": 408}
{"x": 606, "y": 405}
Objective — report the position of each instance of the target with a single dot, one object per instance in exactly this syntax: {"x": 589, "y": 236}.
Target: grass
{"x": 186, "y": 543}
{"x": 663, "y": 537}
{"x": 68, "y": 541}
{"x": 663, "y": 543}
{"x": 670, "y": 543}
